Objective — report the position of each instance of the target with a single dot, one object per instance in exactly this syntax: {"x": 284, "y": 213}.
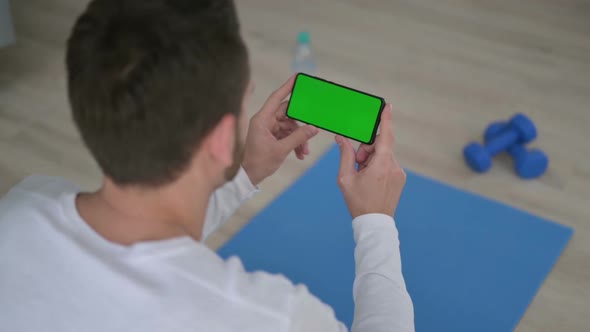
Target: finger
{"x": 298, "y": 137}
{"x": 277, "y": 97}
{"x": 364, "y": 165}
{"x": 281, "y": 112}
{"x": 306, "y": 148}
{"x": 384, "y": 143}
{"x": 277, "y": 131}
{"x": 285, "y": 128}
{"x": 299, "y": 152}
{"x": 347, "y": 159}
{"x": 288, "y": 124}
{"x": 363, "y": 152}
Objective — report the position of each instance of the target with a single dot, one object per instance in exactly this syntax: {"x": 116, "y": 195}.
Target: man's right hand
{"x": 377, "y": 185}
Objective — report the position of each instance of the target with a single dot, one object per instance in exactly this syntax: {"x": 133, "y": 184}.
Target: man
{"x": 158, "y": 90}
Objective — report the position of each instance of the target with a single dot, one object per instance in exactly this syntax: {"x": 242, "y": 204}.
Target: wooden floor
{"x": 449, "y": 66}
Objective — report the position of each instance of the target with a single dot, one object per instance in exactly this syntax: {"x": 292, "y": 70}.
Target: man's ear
{"x": 219, "y": 144}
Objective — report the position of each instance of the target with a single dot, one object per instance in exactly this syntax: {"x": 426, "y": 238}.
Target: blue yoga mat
{"x": 470, "y": 264}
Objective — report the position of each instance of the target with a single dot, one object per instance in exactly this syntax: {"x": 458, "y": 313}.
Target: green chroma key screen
{"x": 335, "y": 108}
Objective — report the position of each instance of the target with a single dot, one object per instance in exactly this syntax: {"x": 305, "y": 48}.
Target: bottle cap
{"x": 303, "y": 37}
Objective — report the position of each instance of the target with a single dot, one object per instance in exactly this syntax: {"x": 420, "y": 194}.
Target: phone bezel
{"x": 377, "y": 120}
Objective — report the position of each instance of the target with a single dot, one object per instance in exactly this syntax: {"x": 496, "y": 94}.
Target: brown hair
{"x": 148, "y": 80}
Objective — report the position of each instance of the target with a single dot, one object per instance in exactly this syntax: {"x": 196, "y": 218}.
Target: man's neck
{"x": 127, "y": 215}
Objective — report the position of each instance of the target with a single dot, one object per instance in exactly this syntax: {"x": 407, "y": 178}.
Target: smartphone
{"x": 335, "y": 108}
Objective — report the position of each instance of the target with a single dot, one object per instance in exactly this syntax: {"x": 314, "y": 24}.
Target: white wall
{"x": 6, "y": 28}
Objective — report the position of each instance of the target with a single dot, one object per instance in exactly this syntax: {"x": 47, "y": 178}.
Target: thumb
{"x": 297, "y": 138}
{"x": 347, "y": 156}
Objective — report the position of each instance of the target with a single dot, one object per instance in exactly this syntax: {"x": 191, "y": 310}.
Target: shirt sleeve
{"x": 382, "y": 302}
{"x": 226, "y": 200}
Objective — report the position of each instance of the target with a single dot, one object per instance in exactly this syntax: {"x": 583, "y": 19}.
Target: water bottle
{"x": 303, "y": 61}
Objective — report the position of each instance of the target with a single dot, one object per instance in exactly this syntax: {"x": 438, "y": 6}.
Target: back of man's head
{"x": 149, "y": 79}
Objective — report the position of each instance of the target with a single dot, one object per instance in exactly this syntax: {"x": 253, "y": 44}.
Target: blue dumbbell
{"x": 520, "y": 129}
{"x": 528, "y": 164}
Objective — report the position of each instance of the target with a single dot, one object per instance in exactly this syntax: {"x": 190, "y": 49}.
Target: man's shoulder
{"x": 32, "y": 194}
{"x": 258, "y": 292}
{"x": 28, "y": 211}
{"x": 42, "y": 186}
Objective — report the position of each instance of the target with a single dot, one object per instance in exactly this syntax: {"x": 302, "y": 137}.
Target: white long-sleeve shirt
{"x": 57, "y": 274}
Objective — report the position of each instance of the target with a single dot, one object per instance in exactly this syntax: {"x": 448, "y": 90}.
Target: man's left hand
{"x": 272, "y": 136}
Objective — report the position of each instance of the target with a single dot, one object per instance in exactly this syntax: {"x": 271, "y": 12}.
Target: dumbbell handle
{"x": 502, "y": 141}
{"x": 497, "y": 128}
{"x": 516, "y": 150}
{"x": 528, "y": 164}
